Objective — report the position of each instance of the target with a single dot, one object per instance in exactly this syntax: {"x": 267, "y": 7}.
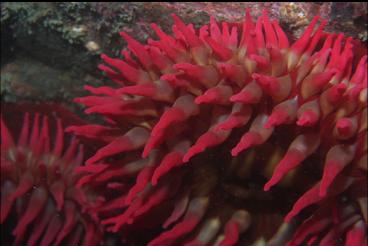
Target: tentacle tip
{"x": 91, "y": 161}
{"x": 316, "y": 18}
{"x": 175, "y": 17}
{"x": 187, "y": 157}
{"x": 77, "y": 100}
{"x": 199, "y": 100}
{"x": 223, "y": 127}
{"x": 89, "y": 111}
{"x": 343, "y": 125}
{"x": 70, "y": 129}
{"x": 267, "y": 186}
{"x": 235, "y": 152}
{"x": 124, "y": 35}
{"x": 146, "y": 151}
{"x": 128, "y": 200}
{"x": 255, "y": 76}
{"x": 305, "y": 122}
{"x": 341, "y": 88}
{"x": 233, "y": 98}
{"x": 302, "y": 122}
{"x": 288, "y": 217}
{"x": 145, "y": 154}
{"x": 269, "y": 124}
{"x": 154, "y": 181}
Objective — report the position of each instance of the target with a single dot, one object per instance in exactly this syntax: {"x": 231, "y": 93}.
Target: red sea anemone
{"x": 40, "y": 204}
{"x": 183, "y": 103}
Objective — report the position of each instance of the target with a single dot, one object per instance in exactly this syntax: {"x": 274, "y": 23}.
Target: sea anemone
{"x": 199, "y": 120}
{"x": 40, "y": 204}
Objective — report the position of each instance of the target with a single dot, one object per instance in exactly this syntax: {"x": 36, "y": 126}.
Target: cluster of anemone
{"x": 40, "y": 203}
{"x": 226, "y": 109}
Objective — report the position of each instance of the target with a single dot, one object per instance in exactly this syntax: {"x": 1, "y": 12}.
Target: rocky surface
{"x": 50, "y": 50}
